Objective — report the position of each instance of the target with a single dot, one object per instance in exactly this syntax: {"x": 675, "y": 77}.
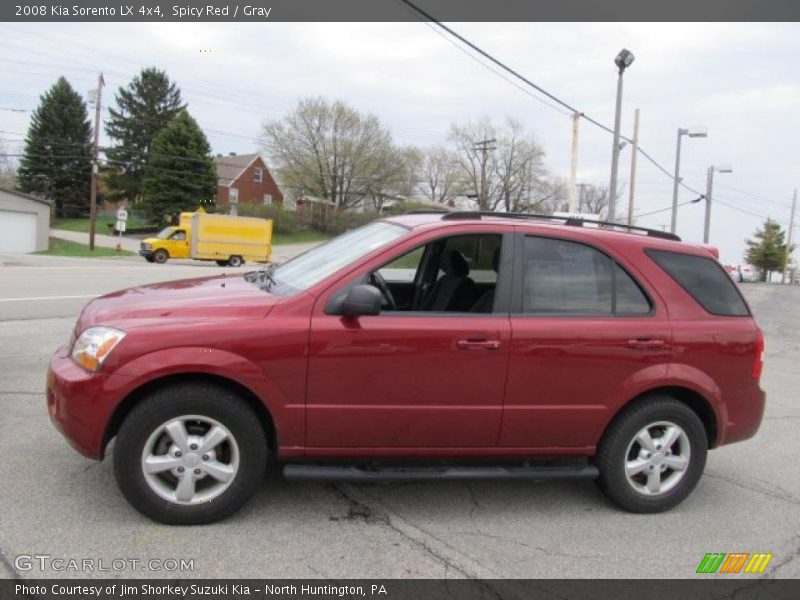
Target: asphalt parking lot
{"x": 57, "y": 503}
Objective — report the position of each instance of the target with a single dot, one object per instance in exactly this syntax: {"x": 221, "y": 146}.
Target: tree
{"x": 180, "y": 173}
{"x": 57, "y": 159}
{"x": 149, "y": 102}
{"x": 8, "y": 173}
{"x": 329, "y": 149}
{"x": 437, "y": 174}
{"x": 507, "y": 172}
{"x": 767, "y": 249}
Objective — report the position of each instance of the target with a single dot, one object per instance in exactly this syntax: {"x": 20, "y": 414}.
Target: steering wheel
{"x": 379, "y": 282}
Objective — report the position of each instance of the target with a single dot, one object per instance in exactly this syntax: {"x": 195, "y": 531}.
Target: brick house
{"x": 244, "y": 178}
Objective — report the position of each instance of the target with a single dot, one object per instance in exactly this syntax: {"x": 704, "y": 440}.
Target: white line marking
{"x": 48, "y": 298}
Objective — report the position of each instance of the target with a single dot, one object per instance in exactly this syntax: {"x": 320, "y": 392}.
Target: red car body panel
{"x": 418, "y": 385}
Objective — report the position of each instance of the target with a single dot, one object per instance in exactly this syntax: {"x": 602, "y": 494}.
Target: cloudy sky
{"x": 738, "y": 81}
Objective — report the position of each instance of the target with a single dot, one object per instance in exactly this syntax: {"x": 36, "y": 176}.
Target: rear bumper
{"x": 743, "y": 415}
{"x": 79, "y": 403}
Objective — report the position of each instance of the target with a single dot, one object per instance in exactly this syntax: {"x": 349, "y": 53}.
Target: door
{"x": 178, "y": 244}
{"x": 18, "y": 232}
{"x": 410, "y": 377}
{"x": 583, "y": 332}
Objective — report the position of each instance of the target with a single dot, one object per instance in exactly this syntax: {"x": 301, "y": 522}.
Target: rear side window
{"x": 563, "y": 277}
{"x": 705, "y": 280}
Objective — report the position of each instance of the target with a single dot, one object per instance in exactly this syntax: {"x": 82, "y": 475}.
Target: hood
{"x": 219, "y": 297}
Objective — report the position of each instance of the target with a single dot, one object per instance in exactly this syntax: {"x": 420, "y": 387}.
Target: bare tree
{"x": 437, "y": 174}
{"x": 502, "y": 167}
{"x": 8, "y": 171}
{"x": 593, "y": 200}
{"x": 329, "y": 149}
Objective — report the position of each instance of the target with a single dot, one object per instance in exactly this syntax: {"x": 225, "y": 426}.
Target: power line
{"x": 540, "y": 89}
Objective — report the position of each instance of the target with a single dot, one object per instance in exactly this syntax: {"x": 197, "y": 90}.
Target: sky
{"x": 737, "y": 81}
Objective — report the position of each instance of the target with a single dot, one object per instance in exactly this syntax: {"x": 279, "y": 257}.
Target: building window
{"x": 267, "y": 199}
{"x": 258, "y": 174}
{"x": 233, "y": 196}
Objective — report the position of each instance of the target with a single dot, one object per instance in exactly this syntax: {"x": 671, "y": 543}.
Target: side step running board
{"x": 301, "y": 472}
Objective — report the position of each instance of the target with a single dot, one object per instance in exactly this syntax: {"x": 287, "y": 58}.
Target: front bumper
{"x": 145, "y": 253}
{"x": 80, "y": 403}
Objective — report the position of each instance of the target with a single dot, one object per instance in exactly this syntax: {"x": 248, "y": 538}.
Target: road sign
{"x": 120, "y": 226}
{"x": 122, "y": 215}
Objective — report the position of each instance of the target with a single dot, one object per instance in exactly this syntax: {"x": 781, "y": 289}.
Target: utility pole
{"x": 789, "y": 240}
{"x": 93, "y": 197}
{"x": 634, "y": 154}
{"x": 709, "y": 188}
{"x": 676, "y": 181}
{"x": 573, "y": 171}
{"x": 483, "y": 147}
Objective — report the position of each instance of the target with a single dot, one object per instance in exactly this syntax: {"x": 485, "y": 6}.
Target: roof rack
{"x": 571, "y": 221}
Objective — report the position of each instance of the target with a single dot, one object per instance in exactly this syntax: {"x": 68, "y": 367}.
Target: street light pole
{"x": 788, "y": 248}
{"x": 623, "y": 60}
{"x": 709, "y": 190}
{"x": 676, "y": 181}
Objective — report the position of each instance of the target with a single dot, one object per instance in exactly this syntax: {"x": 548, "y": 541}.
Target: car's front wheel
{"x": 160, "y": 256}
{"x": 190, "y": 454}
{"x": 652, "y": 455}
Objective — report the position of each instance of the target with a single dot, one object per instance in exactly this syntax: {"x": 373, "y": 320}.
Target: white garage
{"x": 24, "y": 222}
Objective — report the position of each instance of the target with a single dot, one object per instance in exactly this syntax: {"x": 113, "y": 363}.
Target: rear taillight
{"x": 758, "y": 365}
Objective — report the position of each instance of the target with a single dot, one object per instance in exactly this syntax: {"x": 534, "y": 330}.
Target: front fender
{"x": 148, "y": 368}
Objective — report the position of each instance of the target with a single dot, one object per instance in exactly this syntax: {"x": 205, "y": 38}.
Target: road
{"x": 55, "y": 502}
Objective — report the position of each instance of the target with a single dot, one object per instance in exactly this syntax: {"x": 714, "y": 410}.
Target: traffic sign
{"x": 120, "y": 226}
{"x": 122, "y": 215}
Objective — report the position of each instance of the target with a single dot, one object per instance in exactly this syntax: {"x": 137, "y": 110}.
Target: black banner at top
{"x": 397, "y": 10}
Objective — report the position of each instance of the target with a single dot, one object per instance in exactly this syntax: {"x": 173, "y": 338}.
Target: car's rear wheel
{"x": 222, "y": 263}
{"x": 160, "y": 256}
{"x": 235, "y": 261}
{"x": 190, "y": 454}
{"x": 652, "y": 455}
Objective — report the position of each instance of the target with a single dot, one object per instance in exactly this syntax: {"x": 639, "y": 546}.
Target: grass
{"x": 82, "y": 225}
{"x": 300, "y": 237}
{"x": 66, "y": 248}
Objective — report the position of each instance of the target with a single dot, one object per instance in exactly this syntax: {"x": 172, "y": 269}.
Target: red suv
{"x": 457, "y": 345}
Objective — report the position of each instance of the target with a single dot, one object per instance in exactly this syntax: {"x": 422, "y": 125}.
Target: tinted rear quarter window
{"x": 705, "y": 280}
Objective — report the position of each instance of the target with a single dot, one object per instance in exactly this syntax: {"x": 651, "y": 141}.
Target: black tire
{"x": 149, "y": 259}
{"x": 618, "y": 447}
{"x": 160, "y": 256}
{"x": 235, "y": 261}
{"x": 222, "y": 263}
{"x": 202, "y": 400}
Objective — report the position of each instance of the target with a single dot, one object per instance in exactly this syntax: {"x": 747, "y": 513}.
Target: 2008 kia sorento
{"x": 458, "y": 345}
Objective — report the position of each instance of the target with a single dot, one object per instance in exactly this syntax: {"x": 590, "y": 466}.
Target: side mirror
{"x": 362, "y": 300}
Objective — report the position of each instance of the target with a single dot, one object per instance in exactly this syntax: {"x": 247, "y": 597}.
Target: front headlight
{"x": 94, "y": 345}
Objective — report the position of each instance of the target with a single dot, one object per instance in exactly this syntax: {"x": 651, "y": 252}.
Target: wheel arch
{"x": 698, "y": 403}
{"x": 127, "y": 404}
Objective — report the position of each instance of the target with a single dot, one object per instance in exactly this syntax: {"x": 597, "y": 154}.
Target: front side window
{"x": 179, "y": 235}
{"x": 568, "y": 278}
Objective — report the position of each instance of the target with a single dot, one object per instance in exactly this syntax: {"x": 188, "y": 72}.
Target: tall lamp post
{"x": 623, "y": 60}
{"x": 677, "y": 179}
{"x": 709, "y": 190}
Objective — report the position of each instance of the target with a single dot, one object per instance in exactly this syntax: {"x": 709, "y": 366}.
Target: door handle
{"x": 647, "y": 344}
{"x": 478, "y": 344}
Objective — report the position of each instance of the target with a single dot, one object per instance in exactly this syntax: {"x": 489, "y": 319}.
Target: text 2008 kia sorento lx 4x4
{"x": 421, "y": 346}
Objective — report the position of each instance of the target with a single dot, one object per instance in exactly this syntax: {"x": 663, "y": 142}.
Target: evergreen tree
{"x": 149, "y": 102}
{"x": 767, "y": 248}
{"x": 57, "y": 159}
{"x": 180, "y": 174}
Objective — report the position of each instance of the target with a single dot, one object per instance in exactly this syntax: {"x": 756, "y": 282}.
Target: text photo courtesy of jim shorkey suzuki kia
{"x": 398, "y": 299}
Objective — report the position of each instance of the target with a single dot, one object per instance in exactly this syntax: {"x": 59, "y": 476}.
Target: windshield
{"x": 165, "y": 233}
{"x": 318, "y": 263}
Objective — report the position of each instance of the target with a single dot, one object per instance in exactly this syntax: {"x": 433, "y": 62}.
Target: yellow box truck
{"x": 229, "y": 241}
